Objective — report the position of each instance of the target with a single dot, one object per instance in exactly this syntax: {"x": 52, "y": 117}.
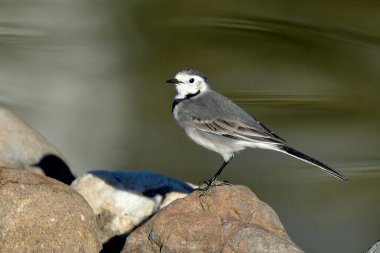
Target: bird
{"x": 218, "y": 124}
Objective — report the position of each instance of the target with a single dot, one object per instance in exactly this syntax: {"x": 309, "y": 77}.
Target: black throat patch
{"x": 188, "y": 96}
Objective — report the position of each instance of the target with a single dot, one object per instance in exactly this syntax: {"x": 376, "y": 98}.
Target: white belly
{"x": 219, "y": 144}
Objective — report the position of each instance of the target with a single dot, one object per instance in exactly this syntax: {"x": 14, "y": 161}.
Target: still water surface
{"x": 89, "y": 76}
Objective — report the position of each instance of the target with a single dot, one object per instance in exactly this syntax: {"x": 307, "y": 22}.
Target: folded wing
{"x": 239, "y": 130}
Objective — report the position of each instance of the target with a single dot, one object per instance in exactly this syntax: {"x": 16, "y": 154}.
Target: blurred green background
{"x": 89, "y": 76}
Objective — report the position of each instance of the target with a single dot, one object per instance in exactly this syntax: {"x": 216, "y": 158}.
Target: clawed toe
{"x": 206, "y": 186}
{"x": 225, "y": 182}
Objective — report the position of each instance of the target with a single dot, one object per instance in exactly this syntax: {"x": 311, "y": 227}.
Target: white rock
{"x": 122, "y": 200}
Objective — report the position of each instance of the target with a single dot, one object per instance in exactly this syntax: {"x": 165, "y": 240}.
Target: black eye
{"x": 191, "y": 80}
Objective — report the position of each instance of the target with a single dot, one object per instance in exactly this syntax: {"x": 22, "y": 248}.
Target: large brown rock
{"x": 227, "y": 219}
{"x": 40, "y": 214}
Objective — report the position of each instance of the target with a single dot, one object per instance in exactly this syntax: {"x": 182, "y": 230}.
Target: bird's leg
{"x": 212, "y": 180}
{"x": 210, "y": 183}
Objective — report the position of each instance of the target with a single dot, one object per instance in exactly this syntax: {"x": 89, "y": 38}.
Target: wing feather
{"x": 237, "y": 129}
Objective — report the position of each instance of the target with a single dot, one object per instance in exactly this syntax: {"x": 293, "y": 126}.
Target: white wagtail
{"x": 215, "y": 122}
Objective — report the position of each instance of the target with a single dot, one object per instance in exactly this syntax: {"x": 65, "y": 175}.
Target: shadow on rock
{"x": 22, "y": 147}
{"x": 146, "y": 183}
{"x": 54, "y": 167}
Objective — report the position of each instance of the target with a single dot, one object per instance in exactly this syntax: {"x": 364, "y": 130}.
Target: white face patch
{"x": 189, "y": 84}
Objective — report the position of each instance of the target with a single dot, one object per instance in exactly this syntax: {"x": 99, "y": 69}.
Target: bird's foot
{"x": 206, "y": 186}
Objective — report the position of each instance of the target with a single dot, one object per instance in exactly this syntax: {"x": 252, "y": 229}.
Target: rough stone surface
{"x": 227, "y": 219}
{"x": 122, "y": 200}
{"x": 22, "y": 147}
{"x": 40, "y": 214}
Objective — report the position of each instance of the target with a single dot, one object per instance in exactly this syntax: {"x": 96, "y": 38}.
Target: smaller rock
{"x": 227, "y": 219}
{"x": 23, "y": 148}
{"x": 123, "y": 200}
{"x": 40, "y": 214}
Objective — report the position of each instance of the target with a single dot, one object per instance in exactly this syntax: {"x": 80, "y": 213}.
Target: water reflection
{"x": 90, "y": 77}
{"x": 372, "y": 167}
{"x": 288, "y": 29}
{"x": 255, "y": 98}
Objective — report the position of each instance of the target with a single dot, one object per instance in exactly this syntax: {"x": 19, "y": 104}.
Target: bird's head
{"x": 189, "y": 82}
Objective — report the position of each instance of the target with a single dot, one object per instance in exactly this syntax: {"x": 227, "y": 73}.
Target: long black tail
{"x": 308, "y": 159}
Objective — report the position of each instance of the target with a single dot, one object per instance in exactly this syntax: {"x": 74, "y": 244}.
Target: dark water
{"x": 89, "y": 75}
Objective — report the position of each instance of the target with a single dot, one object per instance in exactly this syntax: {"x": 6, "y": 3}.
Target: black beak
{"x": 173, "y": 81}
